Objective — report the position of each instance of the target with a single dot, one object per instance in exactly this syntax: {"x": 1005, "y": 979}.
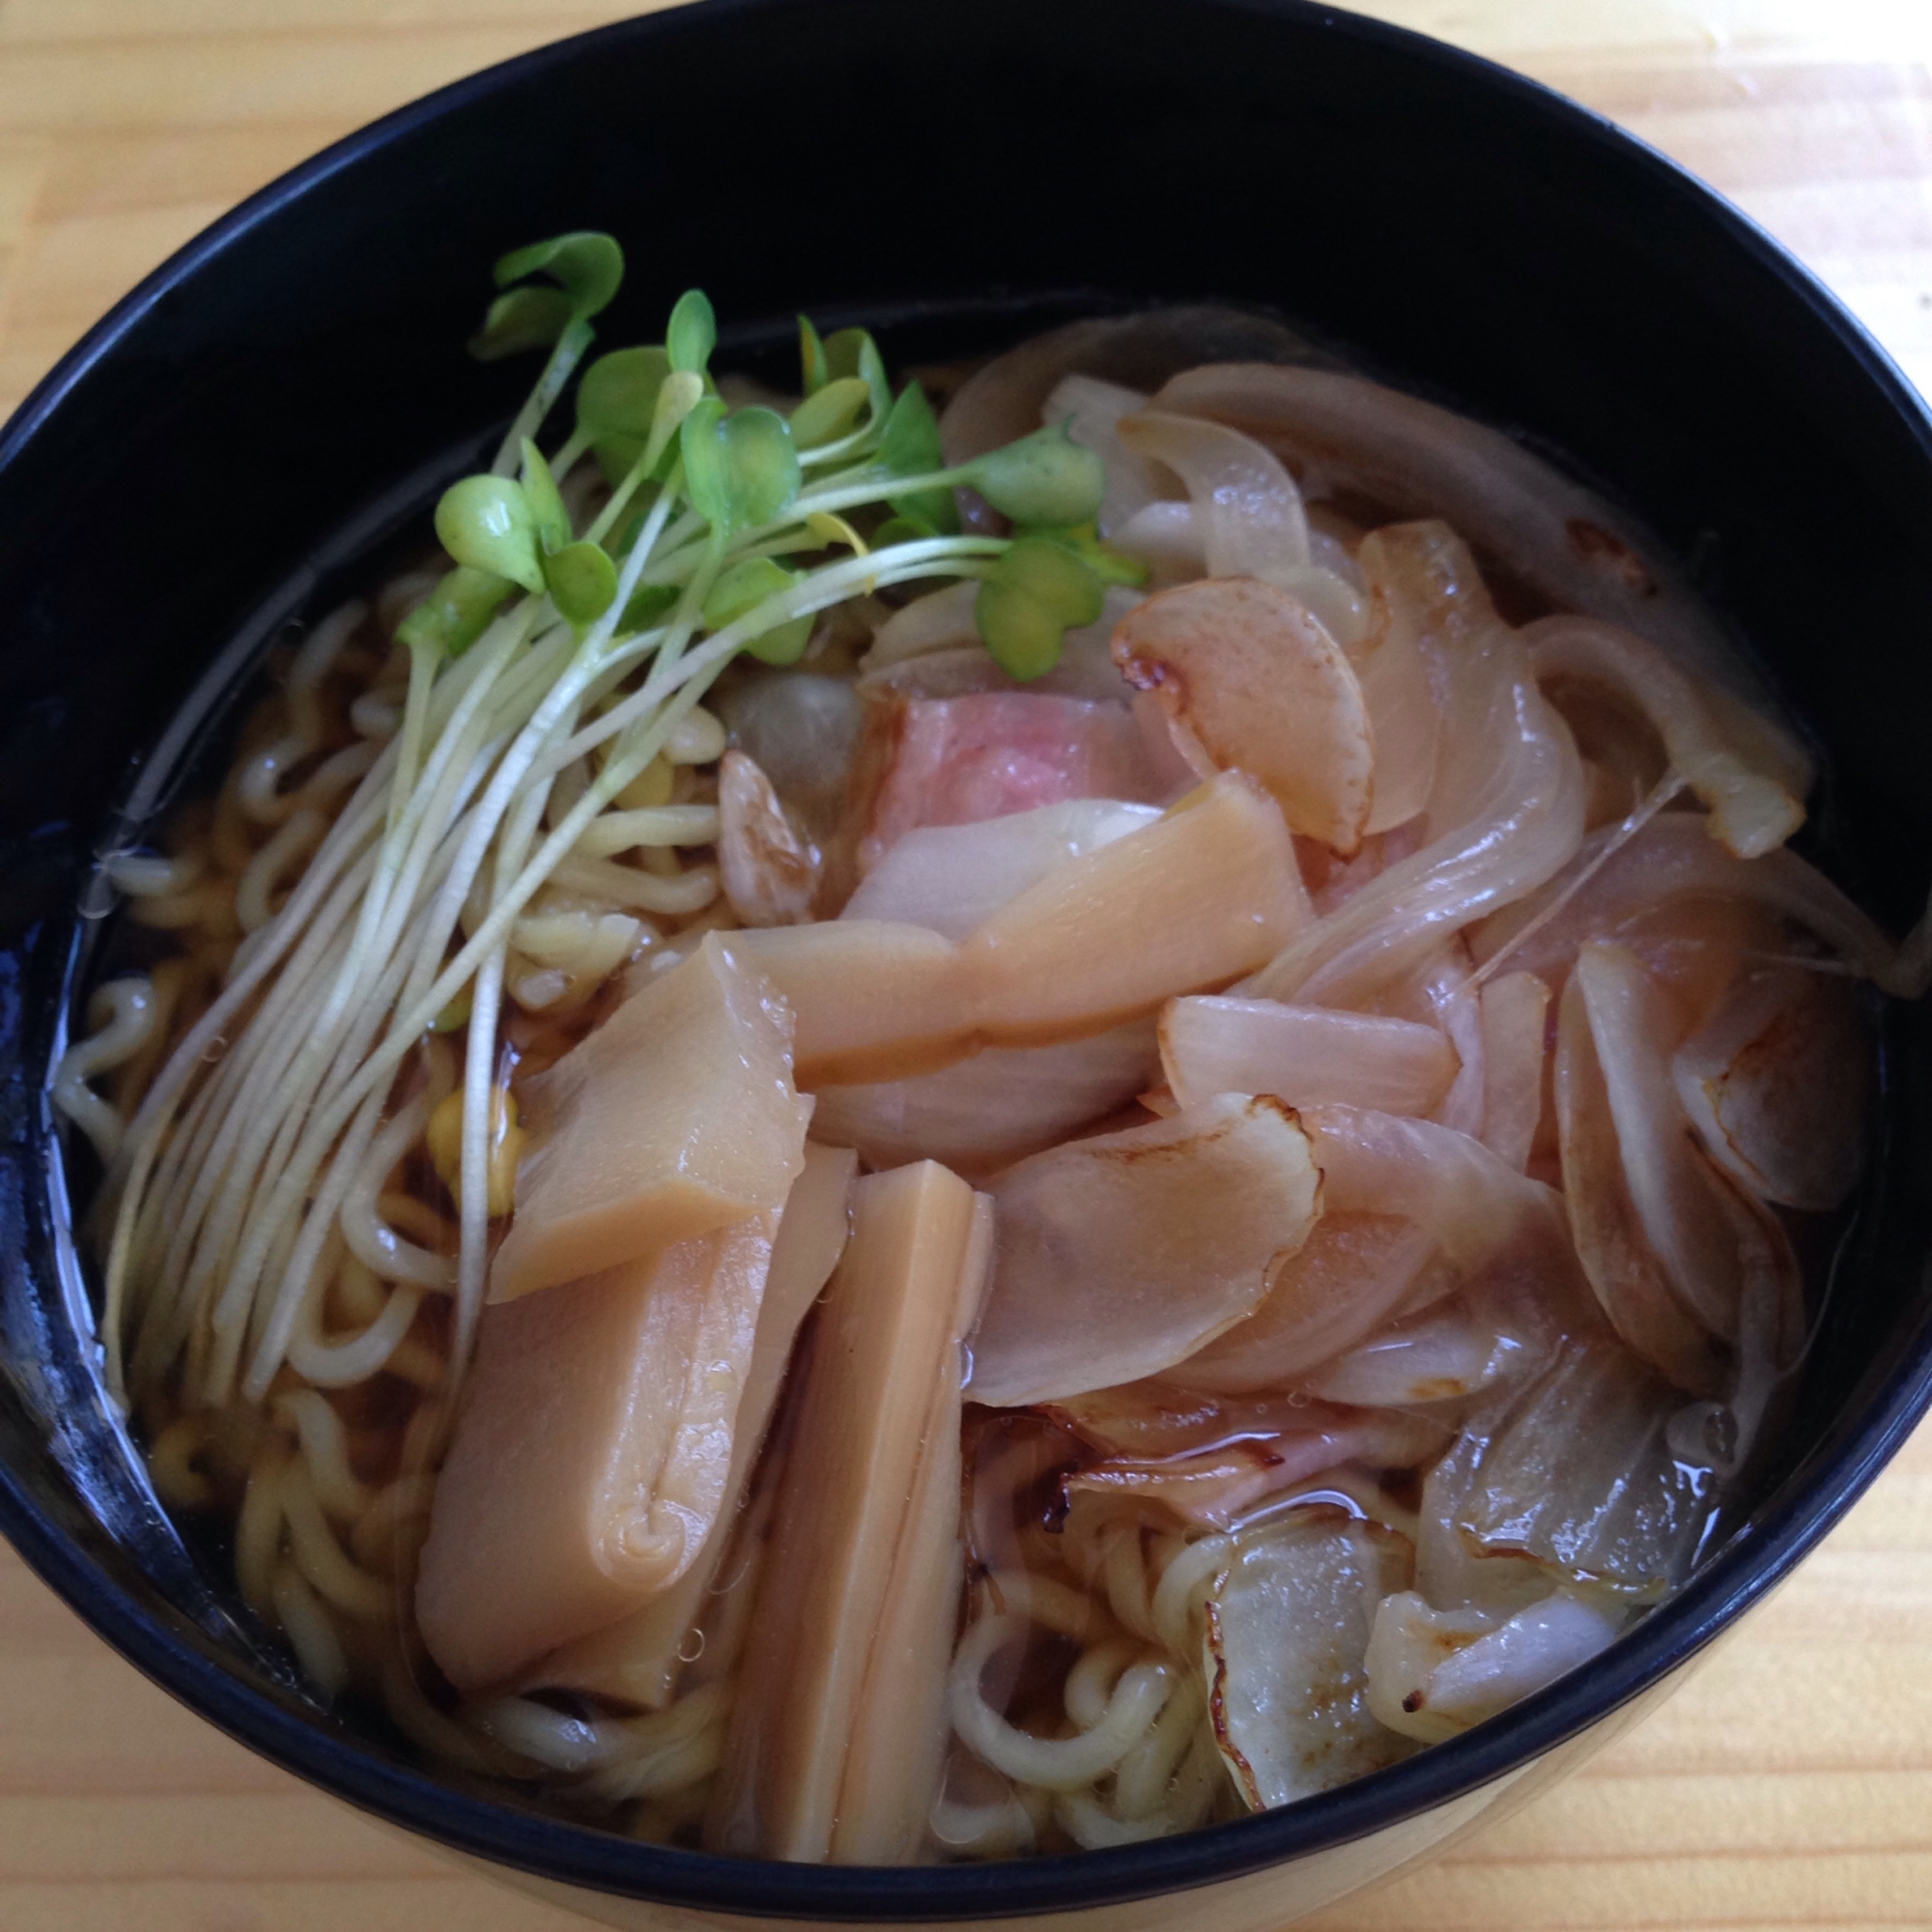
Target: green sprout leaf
{"x": 618, "y": 395}
{"x": 740, "y": 590}
{"x": 910, "y": 447}
{"x": 582, "y": 582}
{"x": 1056, "y": 578}
{"x": 706, "y": 480}
{"x": 830, "y": 411}
{"x": 487, "y": 523}
{"x": 649, "y": 606}
{"x": 1022, "y": 636}
{"x": 527, "y": 318}
{"x": 852, "y": 351}
{"x": 545, "y": 500}
{"x": 763, "y": 464}
{"x": 1111, "y": 565}
{"x": 1044, "y": 479}
{"x": 586, "y": 264}
{"x": 693, "y": 333}
{"x": 902, "y": 529}
{"x": 682, "y": 392}
{"x": 740, "y": 470}
{"x": 457, "y": 611}
{"x": 811, "y": 357}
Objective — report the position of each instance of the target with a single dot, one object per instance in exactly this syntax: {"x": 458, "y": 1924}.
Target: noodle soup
{"x": 883, "y": 1136}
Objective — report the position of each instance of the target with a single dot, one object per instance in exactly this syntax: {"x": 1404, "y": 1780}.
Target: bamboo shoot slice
{"x": 873, "y": 998}
{"x": 1205, "y": 894}
{"x": 1253, "y": 678}
{"x": 637, "y": 1661}
{"x": 1307, "y": 1056}
{"x": 1185, "y": 905}
{"x": 863, "y": 1520}
{"x": 676, "y": 1117}
{"x": 592, "y": 1452}
{"x": 1122, "y": 1254}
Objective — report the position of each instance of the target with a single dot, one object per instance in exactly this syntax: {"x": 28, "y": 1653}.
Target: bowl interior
{"x": 222, "y": 453}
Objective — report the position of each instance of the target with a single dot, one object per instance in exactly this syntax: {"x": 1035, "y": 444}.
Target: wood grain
{"x": 1790, "y": 1785}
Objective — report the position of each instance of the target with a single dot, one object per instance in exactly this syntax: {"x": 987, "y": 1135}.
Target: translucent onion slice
{"x": 1288, "y": 1625}
{"x": 997, "y": 1107}
{"x": 1244, "y": 1455}
{"x": 1674, "y": 858}
{"x": 1433, "y": 1674}
{"x": 591, "y": 1454}
{"x": 638, "y": 1660}
{"x": 1398, "y": 684}
{"x": 1677, "y": 1236}
{"x": 1649, "y": 1226}
{"x": 1752, "y": 810}
{"x": 1776, "y": 1083}
{"x": 951, "y": 877}
{"x": 1246, "y": 508}
{"x": 1122, "y": 1254}
{"x": 1249, "y": 675}
{"x": 1445, "y": 1356}
{"x": 940, "y": 620}
{"x": 1505, "y": 813}
{"x": 838, "y": 1726}
{"x": 1307, "y": 1056}
{"x": 769, "y": 869}
{"x": 1585, "y": 1477}
{"x": 1092, "y": 411}
{"x": 1183, "y": 905}
{"x": 1515, "y": 1009}
{"x": 677, "y": 1117}
{"x": 1005, "y": 399}
{"x": 1339, "y": 430}
{"x": 1409, "y": 1209}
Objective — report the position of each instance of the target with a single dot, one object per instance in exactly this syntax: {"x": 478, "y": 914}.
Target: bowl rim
{"x": 569, "y": 1854}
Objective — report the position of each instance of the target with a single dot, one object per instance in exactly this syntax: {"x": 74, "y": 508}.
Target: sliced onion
{"x": 1433, "y": 1674}
{"x": 1005, "y": 399}
{"x": 1649, "y": 1225}
{"x": 951, "y": 877}
{"x": 1584, "y": 1477}
{"x": 1673, "y": 857}
{"x": 1751, "y": 809}
{"x": 997, "y": 1107}
{"x": 1340, "y": 431}
{"x": 1505, "y": 813}
{"x": 1777, "y": 1084}
{"x": 1304, "y": 1055}
{"x": 1248, "y": 675}
{"x": 1092, "y": 411}
{"x": 1215, "y": 1461}
{"x": 1410, "y": 1208}
{"x": 1398, "y": 684}
{"x": 1288, "y": 1625}
{"x": 769, "y": 869}
{"x": 1246, "y": 507}
{"x": 940, "y": 620}
{"x": 1514, "y": 1016}
{"x": 1119, "y": 1256}
{"x": 1448, "y": 1354}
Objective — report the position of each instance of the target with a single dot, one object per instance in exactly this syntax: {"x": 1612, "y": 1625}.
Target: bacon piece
{"x": 959, "y": 761}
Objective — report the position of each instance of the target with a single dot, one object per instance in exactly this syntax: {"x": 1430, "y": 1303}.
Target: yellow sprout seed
{"x": 445, "y": 1135}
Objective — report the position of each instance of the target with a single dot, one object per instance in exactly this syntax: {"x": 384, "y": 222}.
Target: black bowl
{"x": 290, "y": 388}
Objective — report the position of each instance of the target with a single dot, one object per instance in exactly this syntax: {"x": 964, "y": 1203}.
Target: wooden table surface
{"x": 1790, "y": 1785}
